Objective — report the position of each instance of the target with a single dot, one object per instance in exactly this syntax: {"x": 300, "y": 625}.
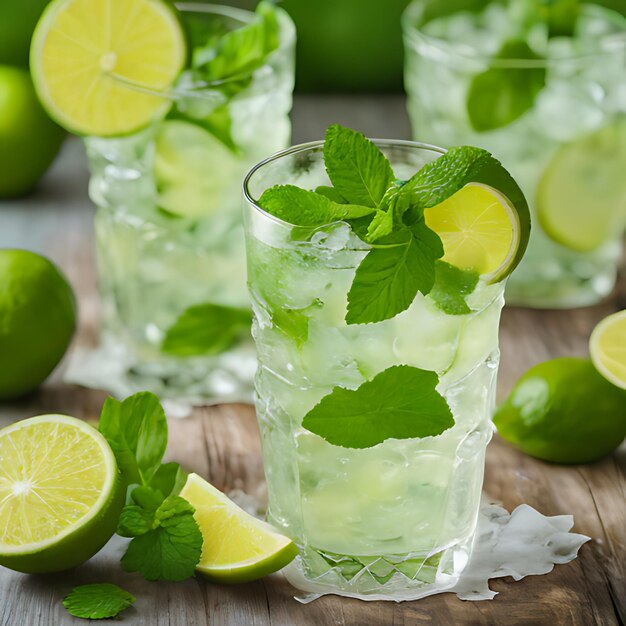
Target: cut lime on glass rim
{"x": 60, "y": 493}
{"x": 607, "y": 347}
{"x": 99, "y": 66}
{"x": 237, "y": 547}
{"x": 581, "y": 197}
{"x": 480, "y": 230}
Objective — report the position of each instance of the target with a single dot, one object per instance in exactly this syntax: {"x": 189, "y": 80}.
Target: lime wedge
{"x": 196, "y": 174}
{"x": 237, "y": 547}
{"x": 98, "y": 65}
{"x": 479, "y": 229}
{"x": 581, "y": 197}
{"x": 60, "y": 493}
{"x": 607, "y": 347}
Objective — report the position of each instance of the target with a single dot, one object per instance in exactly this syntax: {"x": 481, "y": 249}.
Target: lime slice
{"x": 581, "y": 197}
{"x": 479, "y": 229}
{"x": 237, "y": 547}
{"x": 563, "y": 411}
{"x": 196, "y": 174}
{"x": 89, "y": 56}
{"x": 60, "y": 493}
{"x": 607, "y": 347}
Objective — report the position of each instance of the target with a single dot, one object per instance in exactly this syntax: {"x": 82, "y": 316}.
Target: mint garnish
{"x": 404, "y": 251}
{"x": 167, "y": 542}
{"x": 312, "y": 208}
{"x": 206, "y": 329}
{"x": 136, "y": 430}
{"x": 399, "y": 403}
{"x": 358, "y": 170}
{"x": 388, "y": 279}
{"x": 500, "y": 95}
{"x": 99, "y": 601}
{"x": 451, "y": 286}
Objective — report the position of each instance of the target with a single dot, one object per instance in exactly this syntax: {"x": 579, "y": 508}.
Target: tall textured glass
{"x": 398, "y": 518}
{"x": 553, "y": 110}
{"x": 168, "y": 224}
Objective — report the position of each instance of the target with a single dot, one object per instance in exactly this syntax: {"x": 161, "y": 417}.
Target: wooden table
{"x": 222, "y": 444}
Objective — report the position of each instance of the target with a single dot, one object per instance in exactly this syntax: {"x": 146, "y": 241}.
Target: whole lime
{"x": 564, "y": 411}
{"x": 17, "y": 22}
{"x": 29, "y": 139}
{"x": 37, "y": 320}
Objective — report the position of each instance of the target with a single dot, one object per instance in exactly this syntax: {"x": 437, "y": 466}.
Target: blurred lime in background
{"x": 17, "y": 22}
{"x": 29, "y": 140}
{"x": 37, "y": 320}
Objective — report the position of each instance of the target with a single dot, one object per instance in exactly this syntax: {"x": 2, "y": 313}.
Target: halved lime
{"x": 607, "y": 347}
{"x": 237, "y": 547}
{"x": 479, "y": 229}
{"x": 581, "y": 197}
{"x": 99, "y": 65}
{"x": 60, "y": 493}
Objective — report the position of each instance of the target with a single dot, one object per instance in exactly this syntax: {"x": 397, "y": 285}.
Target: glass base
{"x": 382, "y": 577}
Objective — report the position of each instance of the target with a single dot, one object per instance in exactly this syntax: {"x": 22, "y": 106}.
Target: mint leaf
{"x": 389, "y": 277}
{"x": 434, "y": 9}
{"x": 136, "y": 430}
{"x": 169, "y": 479}
{"x": 307, "y": 208}
{"x": 451, "y": 286}
{"x": 359, "y": 171}
{"x": 171, "y": 549}
{"x": 399, "y": 403}
{"x": 138, "y": 518}
{"x": 99, "y": 601}
{"x": 206, "y": 329}
{"x": 293, "y": 323}
{"x": 500, "y": 95}
{"x": 331, "y": 193}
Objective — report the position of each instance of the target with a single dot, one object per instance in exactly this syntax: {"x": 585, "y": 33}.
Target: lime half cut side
{"x": 99, "y": 65}
{"x": 236, "y": 546}
{"x": 607, "y": 347}
{"x": 60, "y": 493}
{"x": 480, "y": 230}
{"x": 581, "y": 197}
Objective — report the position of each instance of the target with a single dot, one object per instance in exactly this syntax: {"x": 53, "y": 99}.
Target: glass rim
{"x": 195, "y": 90}
{"x": 311, "y": 145}
{"x": 616, "y": 43}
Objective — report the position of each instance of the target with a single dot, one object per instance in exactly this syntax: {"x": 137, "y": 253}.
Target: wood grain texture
{"x": 222, "y": 444}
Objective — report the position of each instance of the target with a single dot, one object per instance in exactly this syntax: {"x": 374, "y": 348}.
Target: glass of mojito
{"x": 543, "y": 87}
{"x": 195, "y": 96}
{"x": 376, "y": 271}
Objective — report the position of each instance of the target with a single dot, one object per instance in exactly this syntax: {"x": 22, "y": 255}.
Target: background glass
{"x": 168, "y": 224}
{"x": 567, "y": 151}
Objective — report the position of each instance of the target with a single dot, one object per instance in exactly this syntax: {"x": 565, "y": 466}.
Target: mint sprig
{"x": 98, "y": 601}
{"x": 404, "y": 252}
{"x": 451, "y": 287}
{"x": 206, "y": 329}
{"x": 399, "y": 403}
{"x": 167, "y": 542}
